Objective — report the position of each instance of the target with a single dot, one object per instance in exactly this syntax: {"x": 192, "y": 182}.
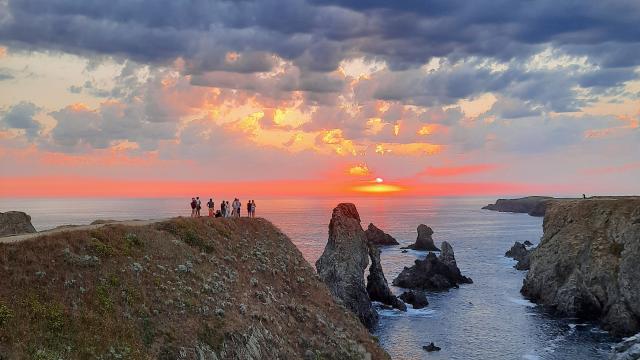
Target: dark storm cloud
{"x": 318, "y": 35}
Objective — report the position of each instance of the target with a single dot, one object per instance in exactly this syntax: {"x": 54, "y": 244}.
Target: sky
{"x": 319, "y": 97}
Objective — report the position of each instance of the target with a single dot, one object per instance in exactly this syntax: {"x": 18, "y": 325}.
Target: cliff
{"x": 179, "y": 289}
{"x": 532, "y": 205}
{"x": 587, "y": 262}
{"x": 15, "y": 223}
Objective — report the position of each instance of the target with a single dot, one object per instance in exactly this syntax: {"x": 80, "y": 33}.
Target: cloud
{"x": 21, "y": 117}
{"x": 458, "y": 170}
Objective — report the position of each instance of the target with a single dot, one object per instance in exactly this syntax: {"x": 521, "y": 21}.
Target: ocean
{"x": 488, "y": 319}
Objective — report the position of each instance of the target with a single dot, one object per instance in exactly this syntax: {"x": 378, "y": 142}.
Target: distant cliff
{"x": 587, "y": 262}
{"x": 532, "y": 205}
{"x": 179, "y": 289}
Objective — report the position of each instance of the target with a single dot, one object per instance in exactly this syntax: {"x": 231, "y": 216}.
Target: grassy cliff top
{"x": 178, "y": 289}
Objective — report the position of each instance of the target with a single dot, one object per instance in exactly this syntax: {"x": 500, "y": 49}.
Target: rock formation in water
{"x": 586, "y": 264}
{"x": 532, "y": 205}
{"x": 627, "y": 349}
{"x": 343, "y": 263}
{"x": 417, "y": 299}
{"x": 433, "y": 273}
{"x": 15, "y": 223}
{"x": 424, "y": 241}
{"x": 194, "y": 288}
{"x": 378, "y": 237}
{"x": 377, "y": 286}
{"x": 521, "y": 254}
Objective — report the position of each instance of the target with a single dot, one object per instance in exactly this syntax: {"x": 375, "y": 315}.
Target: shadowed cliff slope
{"x": 179, "y": 289}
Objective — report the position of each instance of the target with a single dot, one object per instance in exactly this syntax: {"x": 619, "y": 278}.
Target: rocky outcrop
{"x": 433, "y": 273}
{"x": 586, "y": 264}
{"x": 532, "y": 205}
{"x": 521, "y": 254}
{"x": 378, "y": 237}
{"x": 186, "y": 288}
{"x": 377, "y": 286}
{"x": 417, "y": 299}
{"x": 627, "y": 349}
{"x": 343, "y": 262}
{"x": 424, "y": 241}
{"x": 15, "y": 223}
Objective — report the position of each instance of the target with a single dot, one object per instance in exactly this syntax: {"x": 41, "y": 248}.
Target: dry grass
{"x": 164, "y": 291}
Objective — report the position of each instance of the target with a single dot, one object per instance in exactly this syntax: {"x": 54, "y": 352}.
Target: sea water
{"x": 488, "y": 319}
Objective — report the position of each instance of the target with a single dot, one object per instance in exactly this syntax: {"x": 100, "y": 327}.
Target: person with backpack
{"x": 193, "y": 207}
{"x": 210, "y": 205}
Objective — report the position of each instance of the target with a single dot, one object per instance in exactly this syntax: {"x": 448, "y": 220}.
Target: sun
{"x": 377, "y": 186}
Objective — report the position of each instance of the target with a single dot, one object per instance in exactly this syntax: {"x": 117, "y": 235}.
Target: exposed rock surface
{"x": 15, "y": 223}
{"x": 377, "y": 286}
{"x": 433, "y": 273}
{"x": 417, "y": 299}
{"x": 424, "y": 241}
{"x": 378, "y": 237}
{"x": 521, "y": 254}
{"x": 343, "y": 263}
{"x": 627, "y": 349}
{"x": 586, "y": 264}
{"x": 532, "y": 205}
{"x": 431, "y": 347}
{"x": 181, "y": 289}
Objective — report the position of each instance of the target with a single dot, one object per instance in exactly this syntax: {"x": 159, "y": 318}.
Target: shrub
{"x": 5, "y": 314}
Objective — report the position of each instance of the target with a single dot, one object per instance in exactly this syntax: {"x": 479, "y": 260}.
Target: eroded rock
{"x": 343, "y": 262}
{"x": 378, "y": 237}
{"x": 15, "y": 223}
{"x": 417, "y": 299}
{"x": 377, "y": 286}
{"x": 424, "y": 241}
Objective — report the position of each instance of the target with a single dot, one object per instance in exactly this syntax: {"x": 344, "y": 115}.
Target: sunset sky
{"x": 294, "y": 97}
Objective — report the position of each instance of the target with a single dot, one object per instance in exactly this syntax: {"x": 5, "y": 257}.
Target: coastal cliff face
{"x": 587, "y": 262}
{"x": 15, "y": 223}
{"x": 180, "y": 289}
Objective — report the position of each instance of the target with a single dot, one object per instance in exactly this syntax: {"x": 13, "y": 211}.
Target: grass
{"x": 115, "y": 310}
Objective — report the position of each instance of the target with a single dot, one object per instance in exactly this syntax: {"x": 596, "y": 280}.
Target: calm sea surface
{"x": 488, "y": 319}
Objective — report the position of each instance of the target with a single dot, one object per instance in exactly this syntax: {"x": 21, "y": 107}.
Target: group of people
{"x": 226, "y": 209}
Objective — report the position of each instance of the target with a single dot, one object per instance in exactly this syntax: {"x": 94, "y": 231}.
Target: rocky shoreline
{"x": 532, "y": 205}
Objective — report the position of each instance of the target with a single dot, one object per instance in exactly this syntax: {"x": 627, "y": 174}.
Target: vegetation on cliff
{"x": 180, "y": 289}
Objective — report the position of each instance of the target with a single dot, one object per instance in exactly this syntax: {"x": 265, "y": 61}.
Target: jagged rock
{"x": 433, "y": 273}
{"x": 528, "y": 243}
{"x": 378, "y": 237}
{"x": 627, "y": 349}
{"x": 521, "y": 254}
{"x": 344, "y": 261}
{"x": 586, "y": 264}
{"x": 424, "y": 241}
{"x": 431, "y": 347}
{"x": 15, "y": 223}
{"x": 377, "y": 286}
{"x": 417, "y": 299}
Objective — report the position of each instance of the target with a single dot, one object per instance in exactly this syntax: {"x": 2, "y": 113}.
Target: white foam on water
{"x": 411, "y": 312}
{"x": 531, "y": 357}
{"x": 523, "y": 302}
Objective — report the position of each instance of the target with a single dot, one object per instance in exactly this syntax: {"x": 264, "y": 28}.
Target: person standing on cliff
{"x": 193, "y": 207}
{"x": 211, "y": 207}
{"x": 253, "y": 208}
{"x": 198, "y": 206}
{"x": 249, "y": 208}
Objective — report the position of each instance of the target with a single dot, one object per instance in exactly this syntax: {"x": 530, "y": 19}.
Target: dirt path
{"x": 22, "y": 237}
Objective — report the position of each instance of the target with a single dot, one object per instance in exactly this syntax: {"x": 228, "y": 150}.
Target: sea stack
{"x": 378, "y": 237}
{"x": 15, "y": 223}
{"x": 433, "y": 273}
{"x": 377, "y": 286}
{"x": 344, "y": 261}
{"x": 424, "y": 241}
{"x": 586, "y": 264}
